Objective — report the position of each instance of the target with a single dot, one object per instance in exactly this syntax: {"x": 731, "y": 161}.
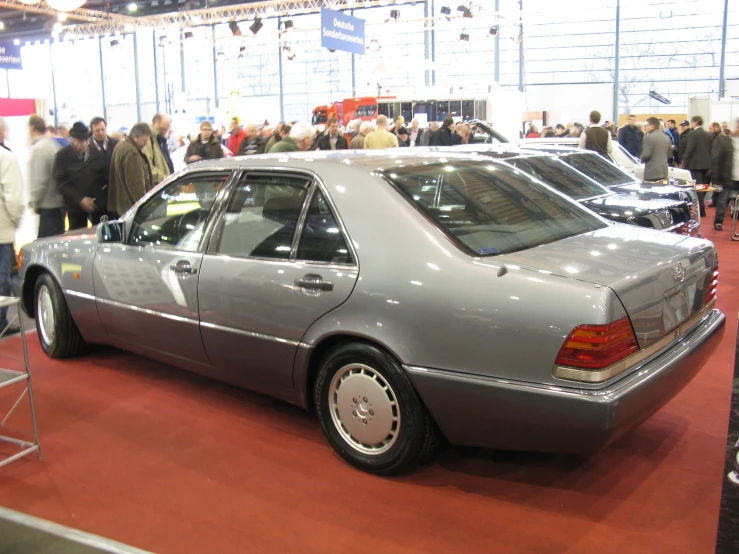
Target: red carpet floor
{"x": 166, "y": 461}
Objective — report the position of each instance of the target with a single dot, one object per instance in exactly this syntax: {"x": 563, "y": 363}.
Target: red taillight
{"x": 598, "y": 346}
{"x": 712, "y": 289}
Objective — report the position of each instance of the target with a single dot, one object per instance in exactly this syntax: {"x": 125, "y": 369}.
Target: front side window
{"x": 175, "y": 218}
{"x": 560, "y": 176}
{"x": 490, "y": 209}
{"x": 262, "y": 216}
{"x": 597, "y": 168}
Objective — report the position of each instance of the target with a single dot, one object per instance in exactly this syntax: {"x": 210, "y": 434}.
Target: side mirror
{"x": 112, "y": 231}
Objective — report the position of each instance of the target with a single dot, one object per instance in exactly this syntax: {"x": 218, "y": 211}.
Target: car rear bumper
{"x": 496, "y": 413}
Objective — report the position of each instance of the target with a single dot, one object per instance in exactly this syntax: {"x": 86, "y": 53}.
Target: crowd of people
{"x": 712, "y": 156}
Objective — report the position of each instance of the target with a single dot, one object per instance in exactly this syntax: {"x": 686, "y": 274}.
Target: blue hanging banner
{"x": 10, "y": 55}
{"x": 342, "y": 32}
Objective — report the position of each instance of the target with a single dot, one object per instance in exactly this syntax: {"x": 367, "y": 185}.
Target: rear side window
{"x": 597, "y": 168}
{"x": 490, "y": 209}
{"x": 322, "y": 240}
{"x": 262, "y": 216}
{"x": 560, "y": 176}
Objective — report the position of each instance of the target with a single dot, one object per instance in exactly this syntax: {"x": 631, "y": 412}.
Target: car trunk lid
{"x": 660, "y": 278}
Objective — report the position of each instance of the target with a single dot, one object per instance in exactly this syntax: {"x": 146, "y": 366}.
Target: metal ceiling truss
{"x": 118, "y": 25}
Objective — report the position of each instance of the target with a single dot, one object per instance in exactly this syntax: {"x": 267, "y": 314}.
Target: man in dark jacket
{"x": 81, "y": 173}
{"x": 697, "y": 156}
{"x": 444, "y": 135}
{"x": 332, "y": 139}
{"x": 631, "y": 138}
{"x": 722, "y": 158}
{"x": 253, "y": 143}
{"x": 682, "y": 143}
{"x": 100, "y": 139}
{"x": 205, "y": 146}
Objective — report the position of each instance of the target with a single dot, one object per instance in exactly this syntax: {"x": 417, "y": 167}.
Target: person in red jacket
{"x": 237, "y": 136}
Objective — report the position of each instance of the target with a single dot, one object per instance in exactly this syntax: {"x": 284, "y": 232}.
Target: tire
{"x": 57, "y": 331}
{"x": 370, "y": 412}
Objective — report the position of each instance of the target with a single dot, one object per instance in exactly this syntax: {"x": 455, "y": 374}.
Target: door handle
{"x": 314, "y": 282}
{"x": 183, "y": 268}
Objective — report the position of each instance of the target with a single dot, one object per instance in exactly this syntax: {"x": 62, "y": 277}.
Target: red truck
{"x": 364, "y": 108}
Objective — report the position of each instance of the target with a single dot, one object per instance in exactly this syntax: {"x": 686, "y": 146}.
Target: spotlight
{"x": 113, "y": 43}
{"x": 235, "y": 31}
{"x": 287, "y": 24}
{"x": 254, "y": 27}
{"x": 58, "y": 27}
{"x": 446, "y": 11}
{"x": 188, "y": 34}
{"x": 494, "y": 31}
{"x": 465, "y": 11}
{"x": 17, "y": 42}
{"x": 61, "y": 16}
{"x": 395, "y": 14}
{"x": 132, "y": 7}
{"x": 464, "y": 37}
{"x": 2, "y": 25}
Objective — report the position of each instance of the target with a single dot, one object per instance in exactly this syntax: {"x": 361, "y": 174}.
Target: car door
{"x": 146, "y": 287}
{"x": 278, "y": 260}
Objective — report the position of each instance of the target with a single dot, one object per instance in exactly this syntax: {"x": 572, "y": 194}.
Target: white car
{"x": 620, "y": 156}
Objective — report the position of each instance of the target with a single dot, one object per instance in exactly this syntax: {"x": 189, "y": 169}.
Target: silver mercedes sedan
{"x": 407, "y": 298}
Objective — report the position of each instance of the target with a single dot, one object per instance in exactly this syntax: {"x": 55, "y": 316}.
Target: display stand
{"x": 8, "y": 378}
{"x": 734, "y": 211}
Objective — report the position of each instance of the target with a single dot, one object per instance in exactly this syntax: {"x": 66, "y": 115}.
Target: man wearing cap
{"x": 81, "y": 175}
{"x": 682, "y": 141}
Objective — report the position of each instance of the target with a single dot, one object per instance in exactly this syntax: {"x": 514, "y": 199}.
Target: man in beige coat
{"x": 156, "y": 150}
{"x": 130, "y": 173}
{"x": 380, "y": 138}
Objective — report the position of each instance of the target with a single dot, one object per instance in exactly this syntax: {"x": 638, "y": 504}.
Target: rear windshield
{"x": 491, "y": 209}
{"x": 597, "y": 168}
{"x": 557, "y": 174}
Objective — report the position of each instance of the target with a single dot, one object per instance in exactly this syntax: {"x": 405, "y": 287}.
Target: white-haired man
{"x": 364, "y": 129}
{"x": 300, "y": 139}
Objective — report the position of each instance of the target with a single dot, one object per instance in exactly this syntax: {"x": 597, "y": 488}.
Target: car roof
{"x": 374, "y": 160}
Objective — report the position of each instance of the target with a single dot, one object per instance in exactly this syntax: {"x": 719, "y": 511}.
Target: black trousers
{"x": 722, "y": 199}
{"x": 51, "y": 222}
{"x": 700, "y": 179}
{"x": 78, "y": 220}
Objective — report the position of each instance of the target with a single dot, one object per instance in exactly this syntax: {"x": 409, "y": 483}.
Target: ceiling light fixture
{"x": 113, "y": 43}
{"x": 235, "y": 31}
{"x": 187, "y": 34}
{"x": 132, "y": 7}
{"x": 446, "y": 11}
{"x": 61, "y": 17}
{"x": 465, "y": 11}
{"x": 464, "y": 37}
{"x": 287, "y": 24}
{"x": 17, "y": 42}
{"x": 64, "y": 5}
{"x": 254, "y": 27}
{"x": 395, "y": 14}
{"x": 494, "y": 31}
{"x": 58, "y": 27}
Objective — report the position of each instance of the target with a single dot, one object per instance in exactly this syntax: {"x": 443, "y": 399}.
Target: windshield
{"x": 597, "y": 168}
{"x": 559, "y": 175}
{"x": 490, "y": 209}
{"x": 319, "y": 118}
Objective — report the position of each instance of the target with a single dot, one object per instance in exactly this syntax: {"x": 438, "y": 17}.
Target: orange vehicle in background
{"x": 364, "y": 108}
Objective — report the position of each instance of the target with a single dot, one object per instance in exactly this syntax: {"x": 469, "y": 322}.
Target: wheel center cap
{"x": 363, "y": 410}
